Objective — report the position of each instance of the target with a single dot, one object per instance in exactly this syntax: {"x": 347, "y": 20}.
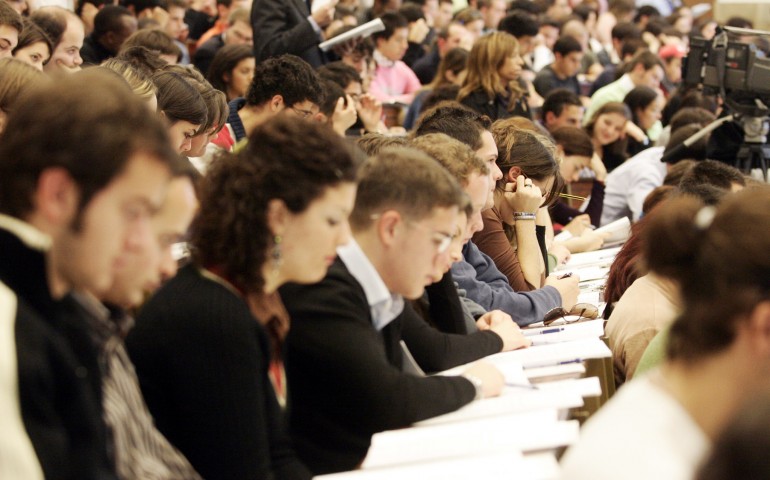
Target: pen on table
{"x": 522, "y": 385}
{"x": 552, "y": 330}
{"x": 567, "y": 362}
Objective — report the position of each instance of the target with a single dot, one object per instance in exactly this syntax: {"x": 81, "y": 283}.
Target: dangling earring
{"x": 275, "y": 254}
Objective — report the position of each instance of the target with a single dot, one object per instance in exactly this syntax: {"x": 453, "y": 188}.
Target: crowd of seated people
{"x": 218, "y": 240}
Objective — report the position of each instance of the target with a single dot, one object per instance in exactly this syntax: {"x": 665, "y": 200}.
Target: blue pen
{"x": 552, "y": 330}
{"x": 577, "y": 360}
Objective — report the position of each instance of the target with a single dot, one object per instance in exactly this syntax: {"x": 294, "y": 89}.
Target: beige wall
{"x": 758, "y": 11}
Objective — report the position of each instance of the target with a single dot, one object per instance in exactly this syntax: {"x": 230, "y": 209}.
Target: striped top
{"x": 140, "y": 451}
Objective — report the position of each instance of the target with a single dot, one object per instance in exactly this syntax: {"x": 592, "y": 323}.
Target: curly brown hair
{"x": 287, "y": 159}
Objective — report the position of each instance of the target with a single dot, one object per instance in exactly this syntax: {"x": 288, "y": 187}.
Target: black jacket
{"x": 58, "y": 386}
{"x": 496, "y": 108}
{"x": 281, "y": 26}
{"x": 345, "y": 377}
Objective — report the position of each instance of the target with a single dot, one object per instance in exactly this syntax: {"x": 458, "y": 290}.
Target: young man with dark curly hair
{"x": 285, "y": 83}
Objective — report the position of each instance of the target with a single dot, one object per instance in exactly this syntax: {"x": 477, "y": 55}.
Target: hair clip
{"x": 704, "y": 217}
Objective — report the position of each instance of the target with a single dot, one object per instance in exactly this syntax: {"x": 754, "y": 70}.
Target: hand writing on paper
{"x": 568, "y": 289}
{"x": 502, "y": 324}
{"x": 578, "y": 225}
{"x": 492, "y": 380}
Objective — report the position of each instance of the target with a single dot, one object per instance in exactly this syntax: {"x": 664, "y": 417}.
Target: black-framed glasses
{"x": 580, "y": 311}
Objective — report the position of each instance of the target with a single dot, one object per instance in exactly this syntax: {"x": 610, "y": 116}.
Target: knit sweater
{"x": 202, "y": 361}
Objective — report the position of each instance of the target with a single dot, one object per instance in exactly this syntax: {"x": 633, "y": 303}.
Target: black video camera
{"x": 731, "y": 69}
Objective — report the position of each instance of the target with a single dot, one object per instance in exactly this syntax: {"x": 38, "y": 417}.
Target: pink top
{"x": 395, "y": 82}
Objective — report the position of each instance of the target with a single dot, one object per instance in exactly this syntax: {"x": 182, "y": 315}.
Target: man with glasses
{"x": 477, "y": 273}
{"x": 344, "y": 359}
{"x": 286, "y": 84}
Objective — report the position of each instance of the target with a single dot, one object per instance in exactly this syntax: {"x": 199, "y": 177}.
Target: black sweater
{"x": 58, "y": 388}
{"x": 202, "y": 361}
{"x": 496, "y": 108}
{"x": 345, "y": 378}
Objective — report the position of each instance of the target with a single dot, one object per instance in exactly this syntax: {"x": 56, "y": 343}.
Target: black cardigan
{"x": 202, "y": 361}
{"x": 345, "y": 377}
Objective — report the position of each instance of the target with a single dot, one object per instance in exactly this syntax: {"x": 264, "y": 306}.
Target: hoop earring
{"x": 275, "y": 254}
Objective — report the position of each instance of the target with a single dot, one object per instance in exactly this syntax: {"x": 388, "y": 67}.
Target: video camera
{"x": 734, "y": 71}
{"x": 730, "y": 69}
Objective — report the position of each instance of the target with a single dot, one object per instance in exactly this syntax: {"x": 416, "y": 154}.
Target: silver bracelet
{"x": 523, "y": 216}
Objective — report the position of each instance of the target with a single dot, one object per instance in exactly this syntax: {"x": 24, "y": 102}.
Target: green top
{"x": 655, "y": 353}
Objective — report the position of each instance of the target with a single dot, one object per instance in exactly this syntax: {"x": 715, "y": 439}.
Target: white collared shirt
{"x": 29, "y": 235}
{"x": 381, "y": 60}
{"x": 383, "y": 305}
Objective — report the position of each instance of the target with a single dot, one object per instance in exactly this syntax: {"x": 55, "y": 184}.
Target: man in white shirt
{"x": 628, "y": 185}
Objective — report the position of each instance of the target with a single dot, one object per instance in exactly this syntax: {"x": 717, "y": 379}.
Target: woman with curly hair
{"x": 491, "y": 86}
{"x": 272, "y": 214}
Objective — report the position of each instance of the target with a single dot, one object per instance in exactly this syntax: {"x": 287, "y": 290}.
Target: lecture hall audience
{"x": 199, "y": 213}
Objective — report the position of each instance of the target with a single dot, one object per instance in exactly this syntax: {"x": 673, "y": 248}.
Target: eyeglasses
{"x": 302, "y": 113}
{"x": 442, "y": 240}
{"x": 581, "y": 311}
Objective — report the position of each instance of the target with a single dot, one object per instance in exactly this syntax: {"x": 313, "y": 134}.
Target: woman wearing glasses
{"x": 661, "y": 425}
{"x": 207, "y": 346}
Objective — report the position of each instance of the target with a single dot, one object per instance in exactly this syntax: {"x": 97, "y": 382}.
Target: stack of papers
{"x": 554, "y": 354}
{"x": 361, "y": 31}
{"x": 619, "y": 231}
{"x": 512, "y": 433}
{"x": 565, "y": 333}
{"x": 492, "y": 466}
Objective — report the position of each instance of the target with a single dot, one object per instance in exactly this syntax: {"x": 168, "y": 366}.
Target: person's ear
{"x": 276, "y": 103}
{"x": 513, "y": 174}
{"x": 56, "y": 197}
{"x": 227, "y": 77}
{"x": 549, "y": 118}
{"x": 388, "y": 225}
{"x": 277, "y": 216}
{"x": 758, "y": 327}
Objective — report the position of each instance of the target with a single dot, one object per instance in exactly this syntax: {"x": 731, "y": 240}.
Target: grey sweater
{"x": 487, "y": 286}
